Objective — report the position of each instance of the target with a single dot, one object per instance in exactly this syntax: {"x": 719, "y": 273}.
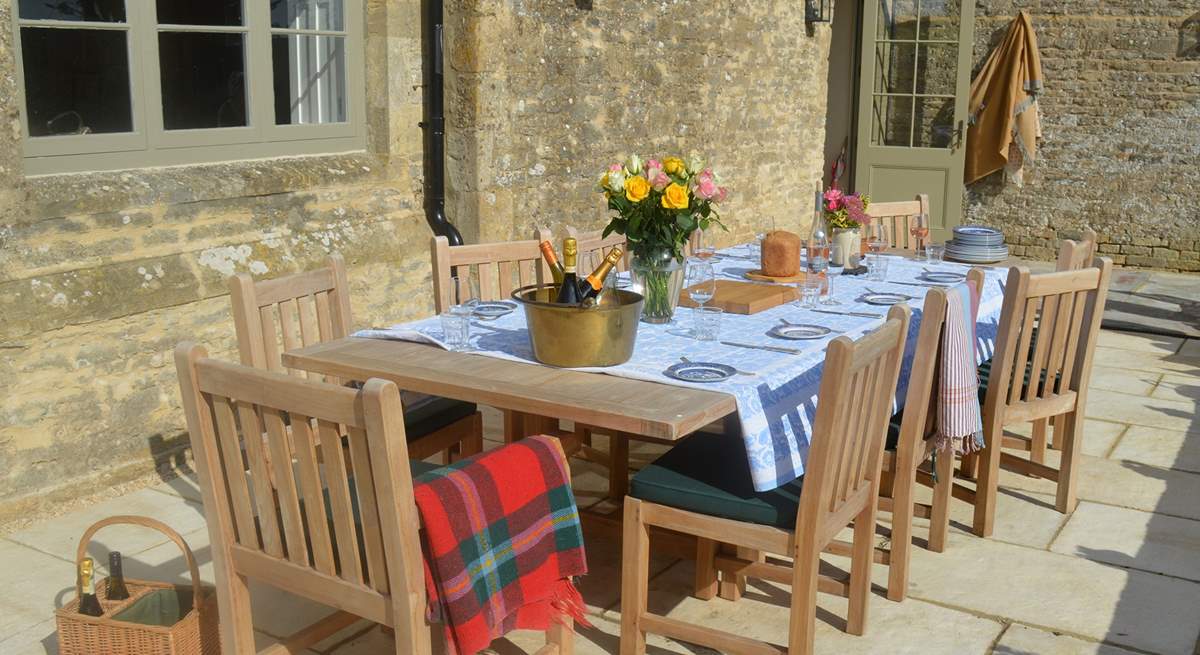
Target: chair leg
{"x": 1037, "y": 446}
{"x": 802, "y": 623}
{"x": 561, "y": 634}
{"x": 1055, "y": 443}
{"x": 618, "y": 470}
{"x": 233, "y": 607}
{"x": 862, "y": 558}
{"x": 635, "y": 578}
{"x": 1068, "y": 471}
{"x": 939, "y": 521}
{"x": 472, "y": 444}
{"x": 969, "y": 467}
{"x": 706, "y": 570}
{"x": 732, "y": 586}
{"x": 988, "y": 480}
{"x": 901, "y": 549}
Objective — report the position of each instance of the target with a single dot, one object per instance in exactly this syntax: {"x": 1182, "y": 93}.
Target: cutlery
{"x": 774, "y": 349}
{"x": 784, "y": 321}
{"x": 863, "y": 314}
{"x": 889, "y": 293}
{"x": 739, "y": 371}
{"x": 923, "y": 284}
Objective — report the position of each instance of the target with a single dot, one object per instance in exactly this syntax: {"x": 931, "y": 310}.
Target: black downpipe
{"x": 435, "y": 126}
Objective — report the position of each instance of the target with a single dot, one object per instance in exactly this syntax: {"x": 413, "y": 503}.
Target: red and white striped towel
{"x": 960, "y": 420}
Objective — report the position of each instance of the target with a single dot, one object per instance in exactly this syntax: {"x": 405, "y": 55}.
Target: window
{"x": 112, "y": 84}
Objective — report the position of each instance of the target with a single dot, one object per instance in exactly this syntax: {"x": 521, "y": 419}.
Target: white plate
{"x": 700, "y": 372}
{"x": 885, "y": 299}
{"x": 942, "y": 277}
{"x": 799, "y": 331}
{"x": 492, "y": 309}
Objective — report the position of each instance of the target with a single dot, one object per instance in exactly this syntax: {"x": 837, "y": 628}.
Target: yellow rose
{"x": 675, "y": 197}
{"x": 673, "y": 166}
{"x": 636, "y": 188}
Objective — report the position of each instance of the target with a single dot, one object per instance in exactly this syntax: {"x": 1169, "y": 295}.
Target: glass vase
{"x": 658, "y": 276}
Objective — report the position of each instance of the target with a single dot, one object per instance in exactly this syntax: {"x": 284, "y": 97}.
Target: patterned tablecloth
{"x": 776, "y": 406}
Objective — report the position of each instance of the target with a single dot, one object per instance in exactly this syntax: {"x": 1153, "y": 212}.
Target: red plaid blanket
{"x": 502, "y": 542}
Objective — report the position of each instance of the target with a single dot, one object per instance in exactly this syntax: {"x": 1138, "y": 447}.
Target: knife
{"x": 863, "y": 314}
{"x": 774, "y": 349}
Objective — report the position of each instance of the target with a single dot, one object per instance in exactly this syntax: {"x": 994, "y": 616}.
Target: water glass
{"x": 708, "y": 323}
{"x": 701, "y": 281}
{"x": 934, "y": 253}
{"x": 456, "y": 328}
{"x": 878, "y": 267}
{"x": 810, "y": 291}
{"x": 837, "y": 261}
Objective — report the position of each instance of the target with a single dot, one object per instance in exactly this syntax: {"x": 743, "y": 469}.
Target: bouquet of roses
{"x": 845, "y": 211}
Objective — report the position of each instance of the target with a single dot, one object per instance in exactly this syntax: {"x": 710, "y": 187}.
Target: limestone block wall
{"x": 1121, "y": 117}
{"x": 542, "y": 95}
{"x": 102, "y": 274}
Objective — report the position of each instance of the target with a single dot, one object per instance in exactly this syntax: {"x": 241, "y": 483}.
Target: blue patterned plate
{"x": 700, "y": 372}
{"x": 798, "y": 331}
{"x": 885, "y": 299}
{"x": 492, "y": 309}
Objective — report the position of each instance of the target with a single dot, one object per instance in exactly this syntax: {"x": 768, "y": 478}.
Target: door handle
{"x": 956, "y": 140}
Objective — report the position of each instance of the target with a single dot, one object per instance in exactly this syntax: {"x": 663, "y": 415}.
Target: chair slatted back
{"x": 1048, "y": 330}
{"x": 856, "y": 397}
{"x": 594, "y": 245}
{"x": 920, "y": 401}
{"x": 273, "y": 316}
{"x": 294, "y": 526}
{"x": 1075, "y": 255}
{"x": 500, "y": 268}
{"x": 899, "y": 218}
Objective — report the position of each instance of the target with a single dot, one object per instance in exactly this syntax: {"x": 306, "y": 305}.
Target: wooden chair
{"x": 916, "y": 434}
{"x": 594, "y": 245}
{"x": 500, "y": 268}
{"x": 1040, "y": 370}
{"x": 898, "y": 218}
{"x": 314, "y": 307}
{"x": 293, "y": 532}
{"x": 682, "y": 489}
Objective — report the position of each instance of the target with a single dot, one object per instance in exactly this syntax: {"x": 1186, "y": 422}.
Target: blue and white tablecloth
{"x": 777, "y": 406}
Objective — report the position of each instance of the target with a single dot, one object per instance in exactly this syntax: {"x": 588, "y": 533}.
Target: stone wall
{"x": 102, "y": 274}
{"x": 542, "y": 95}
{"x": 1121, "y": 119}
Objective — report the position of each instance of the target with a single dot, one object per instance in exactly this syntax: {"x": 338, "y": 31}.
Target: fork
{"x": 685, "y": 360}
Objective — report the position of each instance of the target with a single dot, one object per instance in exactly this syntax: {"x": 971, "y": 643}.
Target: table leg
{"x": 618, "y": 469}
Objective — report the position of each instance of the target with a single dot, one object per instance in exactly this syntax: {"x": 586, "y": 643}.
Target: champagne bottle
{"x": 116, "y": 589}
{"x": 88, "y": 603}
{"x": 556, "y": 269}
{"x": 568, "y": 293}
{"x": 594, "y": 283}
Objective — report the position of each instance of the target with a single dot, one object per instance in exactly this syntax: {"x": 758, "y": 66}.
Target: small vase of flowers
{"x": 845, "y": 214}
{"x": 658, "y": 204}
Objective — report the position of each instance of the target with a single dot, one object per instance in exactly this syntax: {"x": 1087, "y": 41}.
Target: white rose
{"x": 616, "y": 181}
{"x": 695, "y": 165}
{"x": 634, "y": 165}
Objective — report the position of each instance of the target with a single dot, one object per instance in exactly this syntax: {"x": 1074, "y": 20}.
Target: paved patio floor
{"x": 1120, "y": 575}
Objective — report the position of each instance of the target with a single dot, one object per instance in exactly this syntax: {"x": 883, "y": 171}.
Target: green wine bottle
{"x": 88, "y": 603}
{"x": 594, "y": 283}
{"x": 115, "y": 589}
{"x": 568, "y": 293}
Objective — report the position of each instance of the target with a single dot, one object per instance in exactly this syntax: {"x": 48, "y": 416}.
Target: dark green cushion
{"x": 709, "y": 474}
{"x": 434, "y": 414}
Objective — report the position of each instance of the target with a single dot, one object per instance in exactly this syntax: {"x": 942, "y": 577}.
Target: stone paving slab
{"x": 1135, "y": 383}
{"x": 1170, "y": 449}
{"x": 1185, "y": 388}
{"x": 1153, "y": 412}
{"x": 1141, "y": 361}
{"x": 1023, "y": 640}
{"x": 1066, "y": 594}
{"x": 1132, "y": 539}
{"x": 1151, "y": 343}
{"x": 35, "y": 584}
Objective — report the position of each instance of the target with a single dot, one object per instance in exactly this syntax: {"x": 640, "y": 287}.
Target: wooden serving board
{"x": 744, "y": 297}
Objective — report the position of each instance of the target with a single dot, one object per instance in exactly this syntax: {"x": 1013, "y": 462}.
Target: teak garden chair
{"x": 351, "y": 542}
{"x": 898, "y": 218}
{"x": 700, "y": 488}
{"x": 313, "y": 307}
{"x": 1041, "y": 370}
{"x": 594, "y": 245}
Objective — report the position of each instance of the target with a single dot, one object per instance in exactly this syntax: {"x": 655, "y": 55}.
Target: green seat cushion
{"x": 709, "y": 474}
{"x": 434, "y": 414}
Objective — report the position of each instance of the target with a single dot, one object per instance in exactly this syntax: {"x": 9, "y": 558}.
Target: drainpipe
{"x": 435, "y": 126}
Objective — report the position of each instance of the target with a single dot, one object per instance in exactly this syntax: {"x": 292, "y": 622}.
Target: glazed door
{"x": 914, "y": 78}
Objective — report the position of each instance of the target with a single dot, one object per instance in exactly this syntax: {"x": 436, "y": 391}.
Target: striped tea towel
{"x": 502, "y": 543}
{"x": 960, "y": 420}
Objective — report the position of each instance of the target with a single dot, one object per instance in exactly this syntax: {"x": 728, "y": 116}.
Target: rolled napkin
{"x": 781, "y": 254}
{"x": 502, "y": 543}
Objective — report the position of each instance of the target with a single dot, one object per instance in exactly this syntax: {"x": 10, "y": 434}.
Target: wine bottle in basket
{"x": 88, "y": 603}
{"x": 116, "y": 589}
{"x": 594, "y": 283}
{"x": 568, "y": 293}
{"x": 556, "y": 269}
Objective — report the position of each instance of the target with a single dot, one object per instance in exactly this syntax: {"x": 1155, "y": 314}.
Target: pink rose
{"x": 722, "y": 193}
{"x": 615, "y": 168}
{"x": 833, "y": 199}
{"x": 652, "y": 164}
{"x": 706, "y": 188}
{"x": 658, "y": 179}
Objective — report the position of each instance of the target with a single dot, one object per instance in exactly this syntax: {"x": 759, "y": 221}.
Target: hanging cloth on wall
{"x": 1004, "y": 126}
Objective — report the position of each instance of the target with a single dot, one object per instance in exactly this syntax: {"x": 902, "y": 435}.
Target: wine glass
{"x": 920, "y": 232}
{"x": 701, "y": 281}
{"x": 835, "y": 262}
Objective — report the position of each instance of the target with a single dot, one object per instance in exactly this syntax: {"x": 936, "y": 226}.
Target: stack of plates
{"x": 976, "y": 244}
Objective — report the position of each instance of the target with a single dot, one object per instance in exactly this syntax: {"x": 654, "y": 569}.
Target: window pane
{"x": 199, "y": 12}
{"x": 76, "y": 81}
{"x": 310, "y": 79}
{"x": 939, "y": 19}
{"x": 894, "y": 64}
{"x": 897, "y": 19}
{"x": 307, "y": 14}
{"x": 103, "y": 11}
{"x": 892, "y": 120}
{"x": 935, "y": 123}
{"x": 203, "y": 80}
{"x": 937, "y": 68}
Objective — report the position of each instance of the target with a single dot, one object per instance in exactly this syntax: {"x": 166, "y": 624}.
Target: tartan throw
{"x": 960, "y": 420}
{"x": 502, "y": 543}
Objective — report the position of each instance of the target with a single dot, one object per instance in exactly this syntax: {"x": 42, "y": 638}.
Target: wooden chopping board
{"x": 737, "y": 297}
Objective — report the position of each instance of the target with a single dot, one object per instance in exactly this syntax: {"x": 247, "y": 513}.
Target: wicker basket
{"x": 195, "y": 634}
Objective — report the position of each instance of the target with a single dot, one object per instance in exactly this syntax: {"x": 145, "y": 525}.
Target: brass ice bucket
{"x": 573, "y": 337}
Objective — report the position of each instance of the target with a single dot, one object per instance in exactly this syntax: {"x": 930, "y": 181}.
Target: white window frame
{"x": 149, "y": 144}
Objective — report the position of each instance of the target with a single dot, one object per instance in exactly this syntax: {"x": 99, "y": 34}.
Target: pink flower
{"x": 722, "y": 193}
{"x": 833, "y": 199}
{"x": 658, "y": 179}
{"x": 706, "y": 188}
{"x": 854, "y": 209}
{"x": 652, "y": 164}
{"x": 615, "y": 168}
